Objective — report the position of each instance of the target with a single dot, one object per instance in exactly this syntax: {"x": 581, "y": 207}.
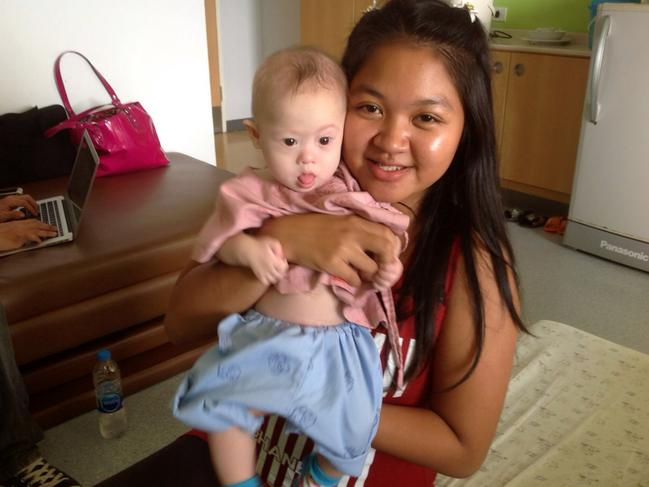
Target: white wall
{"x": 280, "y": 25}
{"x": 250, "y": 30}
{"x": 239, "y": 28}
{"x": 151, "y": 51}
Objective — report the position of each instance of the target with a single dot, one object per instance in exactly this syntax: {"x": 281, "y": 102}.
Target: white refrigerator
{"x": 609, "y": 207}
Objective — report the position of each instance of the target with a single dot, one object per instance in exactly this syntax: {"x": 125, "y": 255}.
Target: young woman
{"x": 419, "y": 134}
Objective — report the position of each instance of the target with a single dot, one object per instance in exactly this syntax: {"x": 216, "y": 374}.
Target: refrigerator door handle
{"x": 603, "y": 29}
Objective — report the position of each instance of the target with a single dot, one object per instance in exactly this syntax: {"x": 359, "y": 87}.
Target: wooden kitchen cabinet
{"x": 361, "y": 5}
{"x": 327, "y": 24}
{"x": 538, "y": 102}
{"x": 500, "y": 76}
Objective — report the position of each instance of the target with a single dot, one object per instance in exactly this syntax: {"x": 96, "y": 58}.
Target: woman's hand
{"x": 9, "y": 204}
{"x": 348, "y": 247}
{"x": 15, "y": 234}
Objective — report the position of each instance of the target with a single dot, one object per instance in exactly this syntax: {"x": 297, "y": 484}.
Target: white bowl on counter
{"x": 546, "y": 34}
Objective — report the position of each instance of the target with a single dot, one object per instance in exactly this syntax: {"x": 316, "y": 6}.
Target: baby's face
{"x": 301, "y": 140}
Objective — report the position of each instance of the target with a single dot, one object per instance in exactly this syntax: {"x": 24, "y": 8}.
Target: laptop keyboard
{"x": 50, "y": 215}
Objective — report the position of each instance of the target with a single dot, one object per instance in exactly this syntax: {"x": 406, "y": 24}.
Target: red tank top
{"x": 280, "y": 455}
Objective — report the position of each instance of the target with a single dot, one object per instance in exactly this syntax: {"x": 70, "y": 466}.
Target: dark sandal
{"x": 513, "y": 214}
{"x": 531, "y": 220}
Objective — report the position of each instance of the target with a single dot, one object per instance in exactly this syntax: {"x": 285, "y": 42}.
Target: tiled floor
{"x": 234, "y": 151}
{"x": 557, "y": 283}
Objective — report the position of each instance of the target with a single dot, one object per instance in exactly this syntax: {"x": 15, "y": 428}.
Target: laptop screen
{"x": 83, "y": 174}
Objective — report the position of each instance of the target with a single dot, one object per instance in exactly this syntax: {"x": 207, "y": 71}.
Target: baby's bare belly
{"x": 318, "y": 308}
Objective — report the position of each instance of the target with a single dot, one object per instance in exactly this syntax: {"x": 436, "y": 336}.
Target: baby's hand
{"x": 267, "y": 261}
{"x": 388, "y": 274}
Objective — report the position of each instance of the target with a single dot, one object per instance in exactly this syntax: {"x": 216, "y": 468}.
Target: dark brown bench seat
{"x": 108, "y": 288}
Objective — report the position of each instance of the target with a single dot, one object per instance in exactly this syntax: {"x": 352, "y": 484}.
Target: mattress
{"x": 576, "y": 414}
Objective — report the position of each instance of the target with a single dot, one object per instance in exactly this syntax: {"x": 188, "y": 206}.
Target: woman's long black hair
{"x": 465, "y": 203}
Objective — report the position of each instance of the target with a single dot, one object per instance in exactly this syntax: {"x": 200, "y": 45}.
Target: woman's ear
{"x": 253, "y": 132}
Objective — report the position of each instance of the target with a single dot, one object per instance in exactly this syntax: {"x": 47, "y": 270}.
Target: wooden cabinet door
{"x": 213, "y": 51}
{"x": 540, "y": 133}
{"x": 360, "y": 6}
{"x": 327, "y": 24}
{"x": 499, "y": 78}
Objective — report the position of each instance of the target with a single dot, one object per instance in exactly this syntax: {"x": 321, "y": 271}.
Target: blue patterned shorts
{"x": 325, "y": 380}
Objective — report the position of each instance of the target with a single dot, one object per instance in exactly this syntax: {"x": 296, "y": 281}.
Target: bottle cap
{"x": 103, "y": 354}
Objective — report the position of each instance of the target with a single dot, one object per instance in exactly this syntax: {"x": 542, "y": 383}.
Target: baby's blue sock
{"x": 314, "y": 470}
{"x": 251, "y": 482}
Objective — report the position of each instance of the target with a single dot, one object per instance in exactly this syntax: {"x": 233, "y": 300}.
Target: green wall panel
{"x": 569, "y": 15}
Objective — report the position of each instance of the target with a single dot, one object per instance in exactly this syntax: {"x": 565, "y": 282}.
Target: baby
{"x": 305, "y": 351}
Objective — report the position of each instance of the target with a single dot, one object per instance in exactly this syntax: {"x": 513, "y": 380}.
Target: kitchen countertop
{"x": 578, "y": 46}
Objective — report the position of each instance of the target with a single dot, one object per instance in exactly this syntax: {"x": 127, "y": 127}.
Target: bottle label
{"x": 109, "y": 397}
{"x": 109, "y": 403}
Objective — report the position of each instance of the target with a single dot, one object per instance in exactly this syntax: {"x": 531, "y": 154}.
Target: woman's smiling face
{"x": 404, "y": 122}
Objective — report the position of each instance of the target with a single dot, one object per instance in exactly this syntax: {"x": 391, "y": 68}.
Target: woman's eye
{"x": 427, "y": 118}
{"x": 324, "y": 140}
{"x": 371, "y": 109}
{"x": 289, "y": 141}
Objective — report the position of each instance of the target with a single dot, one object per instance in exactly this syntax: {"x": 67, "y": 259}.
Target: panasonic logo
{"x": 621, "y": 250}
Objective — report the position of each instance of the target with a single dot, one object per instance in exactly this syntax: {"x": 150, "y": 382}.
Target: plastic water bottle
{"x": 108, "y": 390}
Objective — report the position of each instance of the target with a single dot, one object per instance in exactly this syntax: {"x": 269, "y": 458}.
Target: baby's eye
{"x": 324, "y": 140}
{"x": 290, "y": 141}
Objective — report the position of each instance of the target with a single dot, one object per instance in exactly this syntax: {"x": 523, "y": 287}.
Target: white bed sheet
{"x": 576, "y": 414}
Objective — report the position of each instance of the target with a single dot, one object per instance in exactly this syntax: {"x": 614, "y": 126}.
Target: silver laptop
{"x": 65, "y": 211}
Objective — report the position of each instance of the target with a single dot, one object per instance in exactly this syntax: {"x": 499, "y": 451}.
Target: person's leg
{"x": 326, "y": 467}
{"x": 233, "y": 456}
{"x": 19, "y": 433}
{"x": 318, "y": 472}
{"x": 20, "y": 461}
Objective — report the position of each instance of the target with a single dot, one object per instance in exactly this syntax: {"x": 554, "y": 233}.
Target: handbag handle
{"x": 61, "y": 87}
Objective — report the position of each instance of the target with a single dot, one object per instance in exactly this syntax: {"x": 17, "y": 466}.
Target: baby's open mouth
{"x": 306, "y": 180}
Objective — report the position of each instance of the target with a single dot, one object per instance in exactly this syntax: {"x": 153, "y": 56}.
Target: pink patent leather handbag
{"x": 123, "y": 133}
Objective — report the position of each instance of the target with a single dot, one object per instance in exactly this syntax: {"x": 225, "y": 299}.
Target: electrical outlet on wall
{"x": 500, "y": 14}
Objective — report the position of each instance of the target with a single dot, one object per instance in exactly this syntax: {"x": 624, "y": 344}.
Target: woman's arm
{"x": 206, "y": 293}
{"x": 348, "y": 247}
{"x": 339, "y": 245}
{"x": 454, "y": 437}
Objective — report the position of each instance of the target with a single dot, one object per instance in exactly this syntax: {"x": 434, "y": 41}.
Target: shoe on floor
{"x": 40, "y": 473}
{"x": 513, "y": 214}
{"x": 556, "y": 224}
{"x": 531, "y": 220}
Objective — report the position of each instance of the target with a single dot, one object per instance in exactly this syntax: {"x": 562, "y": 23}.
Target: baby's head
{"x": 299, "y": 101}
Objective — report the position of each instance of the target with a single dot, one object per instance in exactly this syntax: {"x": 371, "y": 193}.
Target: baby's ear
{"x": 253, "y": 132}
